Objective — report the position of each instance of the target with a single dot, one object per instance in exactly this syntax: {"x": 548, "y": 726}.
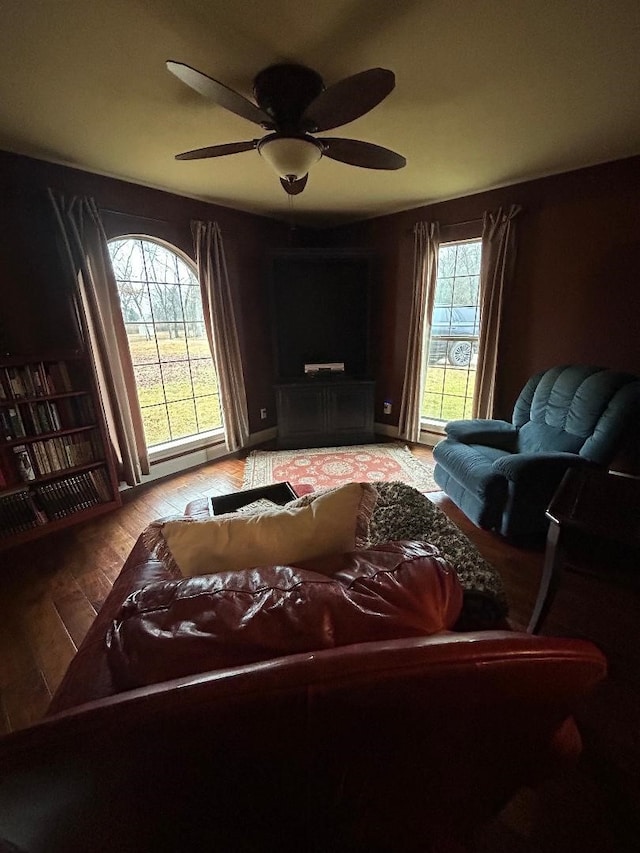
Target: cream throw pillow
{"x": 335, "y": 522}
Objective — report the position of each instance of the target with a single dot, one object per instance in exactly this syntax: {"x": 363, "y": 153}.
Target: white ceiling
{"x": 488, "y": 92}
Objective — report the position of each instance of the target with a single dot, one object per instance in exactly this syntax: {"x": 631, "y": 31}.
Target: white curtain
{"x": 498, "y": 259}
{"x": 425, "y": 270}
{"x": 102, "y": 325}
{"x": 220, "y": 323}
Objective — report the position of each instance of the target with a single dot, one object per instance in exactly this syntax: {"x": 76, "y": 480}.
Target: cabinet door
{"x": 301, "y": 413}
{"x": 350, "y": 409}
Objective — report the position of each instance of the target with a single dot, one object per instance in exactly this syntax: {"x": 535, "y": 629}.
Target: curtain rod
{"x": 457, "y": 224}
{"x": 134, "y": 215}
{"x": 460, "y": 224}
{"x": 145, "y": 218}
{"x": 478, "y": 221}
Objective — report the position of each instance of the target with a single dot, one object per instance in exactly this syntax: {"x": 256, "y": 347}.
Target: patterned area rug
{"x": 326, "y": 467}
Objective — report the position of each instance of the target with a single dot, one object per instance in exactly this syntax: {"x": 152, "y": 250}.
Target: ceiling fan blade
{"x": 218, "y": 150}
{"x": 294, "y": 187}
{"x": 364, "y": 154}
{"x": 348, "y": 99}
{"x": 218, "y": 92}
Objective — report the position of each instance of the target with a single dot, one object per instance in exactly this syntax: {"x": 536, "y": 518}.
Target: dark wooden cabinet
{"x": 317, "y": 413}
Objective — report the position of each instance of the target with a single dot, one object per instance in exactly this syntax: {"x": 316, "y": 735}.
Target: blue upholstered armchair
{"x": 503, "y": 475}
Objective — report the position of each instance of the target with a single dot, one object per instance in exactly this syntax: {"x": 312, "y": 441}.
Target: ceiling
{"x": 488, "y": 92}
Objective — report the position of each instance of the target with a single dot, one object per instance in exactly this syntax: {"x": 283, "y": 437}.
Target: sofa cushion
{"x": 178, "y": 628}
{"x": 335, "y": 523}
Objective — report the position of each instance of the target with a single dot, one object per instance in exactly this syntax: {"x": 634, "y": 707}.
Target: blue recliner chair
{"x": 503, "y": 475}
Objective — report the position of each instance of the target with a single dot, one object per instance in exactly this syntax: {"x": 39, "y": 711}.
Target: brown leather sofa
{"x": 405, "y": 744}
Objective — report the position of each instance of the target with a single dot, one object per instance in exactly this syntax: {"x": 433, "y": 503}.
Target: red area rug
{"x": 324, "y": 467}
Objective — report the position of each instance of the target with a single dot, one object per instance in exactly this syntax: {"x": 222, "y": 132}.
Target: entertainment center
{"x": 320, "y": 303}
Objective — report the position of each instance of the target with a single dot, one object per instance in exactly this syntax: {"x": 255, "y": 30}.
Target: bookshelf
{"x": 55, "y": 466}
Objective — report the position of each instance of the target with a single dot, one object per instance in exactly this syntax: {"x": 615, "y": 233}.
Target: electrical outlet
{"x": 387, "y": 408}
{"x": 263, "y": 414}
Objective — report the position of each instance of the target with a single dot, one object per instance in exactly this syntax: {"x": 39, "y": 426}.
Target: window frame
{"x": 450, "y": 235}
{"x": 177, "y": 447}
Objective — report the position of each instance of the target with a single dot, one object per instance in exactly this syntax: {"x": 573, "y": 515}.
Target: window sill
{"x": 432, "y": 426}
{"x": 182, "y": 446}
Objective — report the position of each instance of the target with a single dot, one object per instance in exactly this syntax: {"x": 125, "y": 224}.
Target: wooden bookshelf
{"x": 56, "y": 467}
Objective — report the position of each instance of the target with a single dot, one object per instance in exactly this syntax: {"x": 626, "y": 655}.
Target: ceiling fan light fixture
{"x": 290, "y": 156}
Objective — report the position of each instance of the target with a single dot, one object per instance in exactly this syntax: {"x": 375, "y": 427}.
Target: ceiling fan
{"x": 291, "y": 103}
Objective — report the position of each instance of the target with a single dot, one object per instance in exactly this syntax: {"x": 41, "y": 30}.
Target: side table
{"x": 278, "y": 493}
{"x": 595, "y": 517}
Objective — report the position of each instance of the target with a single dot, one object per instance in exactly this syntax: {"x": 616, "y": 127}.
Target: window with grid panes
{"x": 162, "y": 310}
{"x": 450, "y": 370}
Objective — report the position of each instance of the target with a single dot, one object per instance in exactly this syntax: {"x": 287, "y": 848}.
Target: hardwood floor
{"x": 51, "y": 589}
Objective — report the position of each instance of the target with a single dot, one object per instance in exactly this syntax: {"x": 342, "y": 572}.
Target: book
{"x": 17, "y": 424}
{"x": 25, "y": 465}
{"x": 15, "y": 382}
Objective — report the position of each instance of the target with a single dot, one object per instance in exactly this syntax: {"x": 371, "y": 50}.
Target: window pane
{"x": 134, "y": 302}
{"x": 198, "y": 341}
{"x": 205, "y": 380}
{"x": 159, "y": 263}
{"x": 172, "y": 346}
{"x": 468, "y": 259}
{"x": 143, "y": 350}
{"x": 192, "y": 302}
{"x": 156, "y": 425}
{"x": 166, "y": 302}
{"x": 127, "y": 259}
{"x": 465, "y": 290}
{"x": 177, "y": 380}
{"x": 446, "y": 261}
{"x": 184, "y": 274}
{"x": 149, "y": 384}
{"x": 208, "y": 410}
{"x": 182, "y": 419}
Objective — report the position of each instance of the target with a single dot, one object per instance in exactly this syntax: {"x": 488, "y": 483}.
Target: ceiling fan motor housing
{"x": 284, "y": 91}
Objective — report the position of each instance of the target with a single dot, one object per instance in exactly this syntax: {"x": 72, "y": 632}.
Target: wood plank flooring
{"x": 51, "y": 589}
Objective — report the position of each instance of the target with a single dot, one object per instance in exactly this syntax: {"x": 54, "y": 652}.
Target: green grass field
{"x": 447, "y": 396}
{"x": 182, "y": 379}
{"x": 448, "y": 393}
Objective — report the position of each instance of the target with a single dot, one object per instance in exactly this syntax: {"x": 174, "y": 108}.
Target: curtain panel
{"x": 98, "y": 308}
{"x": 222, "y": 332}
{"x": 498, "y": 261}
{"x": 425, "y": 270}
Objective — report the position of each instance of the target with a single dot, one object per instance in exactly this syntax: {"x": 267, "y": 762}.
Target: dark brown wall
{"x": 575, "y": 296}
{"x": 35, "y": 311}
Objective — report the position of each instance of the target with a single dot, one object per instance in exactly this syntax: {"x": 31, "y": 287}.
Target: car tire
{"x": 459, "y": 353}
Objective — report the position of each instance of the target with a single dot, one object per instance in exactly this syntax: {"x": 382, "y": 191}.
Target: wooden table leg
{"x": 550, "y": 581}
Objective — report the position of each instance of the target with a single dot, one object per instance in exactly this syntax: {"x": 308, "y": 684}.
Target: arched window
{"x": 162, "y": 310}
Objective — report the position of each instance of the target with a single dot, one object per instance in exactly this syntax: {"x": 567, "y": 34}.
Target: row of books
{"x": 54, "y": 454}
{"x": 35, "y": 380}
{"x": 23, "y": 510}
{"x": 35, "y": 418}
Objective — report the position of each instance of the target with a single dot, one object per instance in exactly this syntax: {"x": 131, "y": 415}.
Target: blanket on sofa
{"x": 402, "y": 512}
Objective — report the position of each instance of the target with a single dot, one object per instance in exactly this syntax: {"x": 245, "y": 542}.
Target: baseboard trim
{"x": 263, "y": 436}
{"x": 386, "y": 429}
{"x": 428, "y": 437}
